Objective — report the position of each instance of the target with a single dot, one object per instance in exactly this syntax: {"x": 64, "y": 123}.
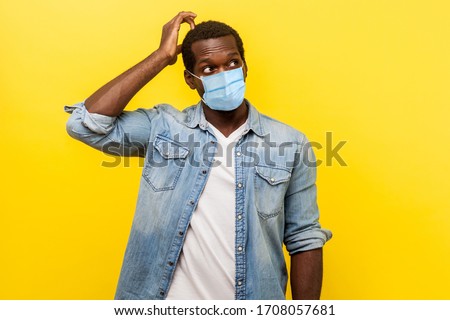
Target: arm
{"x": 111, "y": 99}
{"x": 306, "y": 275}
{"x": 100, "y": 121}
{"x": 304, "y": 237}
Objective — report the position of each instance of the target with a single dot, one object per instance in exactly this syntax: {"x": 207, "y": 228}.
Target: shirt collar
{"x": 197, "y": 118}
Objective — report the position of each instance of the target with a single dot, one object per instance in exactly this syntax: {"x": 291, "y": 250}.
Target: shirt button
{"x": 180, "y": 233}
{"x": 239, "y": 216}
{"x": 239, "y": 283}
{"x": 240, "y": 248}
{"x": 212, "y": 142}
{"x": 161, "y": 293}
{"x": 191, "y": 202}
{"x": 238, "y": 154}
{"x": 272, "y": 179}
{"x": 240, "y": 185}
{"x": 170, "y": 263}
{"x": 204, "y": 171}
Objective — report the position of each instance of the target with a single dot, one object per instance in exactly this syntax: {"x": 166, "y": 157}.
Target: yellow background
{"x": 374, "y": 73}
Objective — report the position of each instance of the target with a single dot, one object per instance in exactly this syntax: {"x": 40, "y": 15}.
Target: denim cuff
{"x": 95, "y": 122}
{"x": 308, "y": 240}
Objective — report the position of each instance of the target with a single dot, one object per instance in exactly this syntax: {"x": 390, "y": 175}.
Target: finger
{"x": 191, "y": 22}
{"x": 179, "y": 18}
{"x": 178, "y": 49}
{"x": 183, "y": 15}
{"x": 187, "y": 13}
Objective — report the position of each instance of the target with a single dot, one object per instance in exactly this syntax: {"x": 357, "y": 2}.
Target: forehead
{"x": 214, "y": 48}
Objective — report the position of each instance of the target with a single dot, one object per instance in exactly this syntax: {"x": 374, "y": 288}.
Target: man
{"x": 223, "y": 186}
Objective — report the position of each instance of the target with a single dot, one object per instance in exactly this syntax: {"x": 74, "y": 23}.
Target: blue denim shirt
{"x": 275, "y": 194}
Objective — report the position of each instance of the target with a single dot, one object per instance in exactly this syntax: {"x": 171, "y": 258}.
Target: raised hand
{"x": 169, "y": 39}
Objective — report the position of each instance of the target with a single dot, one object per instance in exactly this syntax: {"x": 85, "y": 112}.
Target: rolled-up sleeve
{"x": 303, "y": 231}
{"x": 97, "y": 123}
{"x": 125, "y": 135}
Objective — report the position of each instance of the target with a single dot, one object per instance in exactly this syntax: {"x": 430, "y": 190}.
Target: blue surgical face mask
{"x": 224, "y": 91}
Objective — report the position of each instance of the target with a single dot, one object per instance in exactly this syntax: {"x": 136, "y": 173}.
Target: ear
{"x": 189, "y": 80}
{"x": 245, "y": 69}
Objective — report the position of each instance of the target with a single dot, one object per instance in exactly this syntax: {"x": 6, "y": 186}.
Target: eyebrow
{"x": 231, "y": 54}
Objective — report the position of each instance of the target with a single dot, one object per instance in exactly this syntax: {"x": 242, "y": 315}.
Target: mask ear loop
{"x": 194, "y": 75}
{"x": 202, "y": 83}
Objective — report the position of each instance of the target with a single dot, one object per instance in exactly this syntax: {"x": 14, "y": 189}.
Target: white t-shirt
{"x": 206, "y": 267}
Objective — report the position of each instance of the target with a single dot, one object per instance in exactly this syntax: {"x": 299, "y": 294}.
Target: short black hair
{"x": 203, "y": 31}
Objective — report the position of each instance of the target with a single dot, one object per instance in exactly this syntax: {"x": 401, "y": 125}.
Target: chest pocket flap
{"x": 170, "y": 149}
{"x": 273, "y": 175}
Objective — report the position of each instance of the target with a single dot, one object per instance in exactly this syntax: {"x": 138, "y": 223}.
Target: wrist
{"x": 163, "y": 58}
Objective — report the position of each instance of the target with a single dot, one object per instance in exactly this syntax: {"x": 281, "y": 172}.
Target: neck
{"x": 226, "y": 121}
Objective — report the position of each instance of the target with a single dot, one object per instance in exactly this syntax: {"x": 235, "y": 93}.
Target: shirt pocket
{"x": 165, "y": 161}
{"x": 270, "y": 187}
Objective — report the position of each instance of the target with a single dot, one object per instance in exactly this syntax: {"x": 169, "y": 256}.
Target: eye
{"x": 233, "y": 63}
{"x": 207, "y": 69}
